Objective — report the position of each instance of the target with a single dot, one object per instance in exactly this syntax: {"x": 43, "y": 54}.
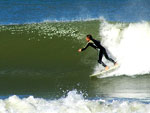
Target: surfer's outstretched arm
{"x": 89, "y": 44}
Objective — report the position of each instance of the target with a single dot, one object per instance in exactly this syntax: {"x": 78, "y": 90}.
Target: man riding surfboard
{"x": 97, "y": 45}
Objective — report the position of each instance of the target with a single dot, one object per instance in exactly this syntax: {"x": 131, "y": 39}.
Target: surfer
{"x": 97, "y": 45}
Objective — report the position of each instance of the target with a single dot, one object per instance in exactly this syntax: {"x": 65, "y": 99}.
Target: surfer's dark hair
{"x": 89, "y": 36}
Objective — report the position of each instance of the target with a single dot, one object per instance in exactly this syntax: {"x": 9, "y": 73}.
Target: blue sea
{"x": 35, "y": 11}
{"x": 41, "y": 70}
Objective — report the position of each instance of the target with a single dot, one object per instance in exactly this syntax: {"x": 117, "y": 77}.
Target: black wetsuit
{"x": 97, "y": 45}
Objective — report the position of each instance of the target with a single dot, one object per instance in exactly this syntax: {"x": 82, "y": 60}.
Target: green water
{"x": 42, "y": 59}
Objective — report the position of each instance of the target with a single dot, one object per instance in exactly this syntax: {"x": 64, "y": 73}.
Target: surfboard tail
{"x": 111, "y": 69}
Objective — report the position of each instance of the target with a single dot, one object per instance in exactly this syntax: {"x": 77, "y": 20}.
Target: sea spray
{"x": 129, "y": 44}
{"x": 72, "y": 103}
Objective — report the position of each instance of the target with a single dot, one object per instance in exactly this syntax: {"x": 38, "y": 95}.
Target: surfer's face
{"x": 87, "y": 39}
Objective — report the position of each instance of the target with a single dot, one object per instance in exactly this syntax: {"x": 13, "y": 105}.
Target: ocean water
{"x": 41, "y": 70}
{"x": 29, "y": 11}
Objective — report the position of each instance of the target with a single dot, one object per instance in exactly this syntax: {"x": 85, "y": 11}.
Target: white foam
{"x": 130, "y": 44}
{"x": 73, "y": 103}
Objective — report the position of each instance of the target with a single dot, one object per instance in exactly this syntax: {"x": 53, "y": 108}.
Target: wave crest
{"x": 129, "y": 43}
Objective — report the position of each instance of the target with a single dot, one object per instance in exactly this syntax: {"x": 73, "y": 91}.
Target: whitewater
{"x": 129, "y": 45}
{"x": 72, "y": 103}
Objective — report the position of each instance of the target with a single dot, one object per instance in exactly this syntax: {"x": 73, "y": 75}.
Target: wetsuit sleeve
{"x": 89, "y": 44}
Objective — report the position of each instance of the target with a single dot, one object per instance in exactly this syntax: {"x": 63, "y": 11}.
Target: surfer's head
{"x": 89, "y": 37}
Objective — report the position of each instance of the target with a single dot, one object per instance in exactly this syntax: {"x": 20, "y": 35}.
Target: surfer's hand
{"x": 79, "y": 50}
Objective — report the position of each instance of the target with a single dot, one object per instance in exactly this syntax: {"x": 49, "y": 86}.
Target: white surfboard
{"x": 111, "y": 69}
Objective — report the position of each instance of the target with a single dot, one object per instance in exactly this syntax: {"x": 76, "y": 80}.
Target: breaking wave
{"x": 129, "y": 44}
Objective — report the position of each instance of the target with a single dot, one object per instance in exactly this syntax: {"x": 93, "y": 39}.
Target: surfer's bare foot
{"x": 115, "y": 64}
{"x": 106, "y": 68}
